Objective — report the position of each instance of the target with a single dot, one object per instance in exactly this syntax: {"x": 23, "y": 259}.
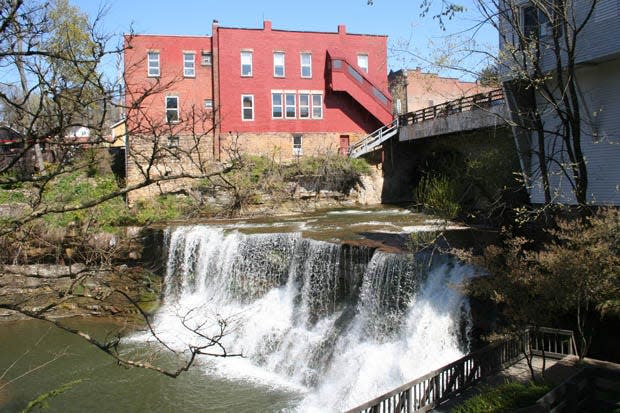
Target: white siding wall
{"x": 600, "y": 87}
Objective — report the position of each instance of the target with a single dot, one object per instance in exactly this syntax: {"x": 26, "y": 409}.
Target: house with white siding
{"x": 592, "y": 31}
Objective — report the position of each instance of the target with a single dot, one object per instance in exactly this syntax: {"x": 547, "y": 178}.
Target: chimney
{"x": 267, "y": 25}
{"x": 342, "y": 29}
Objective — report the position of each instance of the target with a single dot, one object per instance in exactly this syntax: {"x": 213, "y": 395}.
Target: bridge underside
{"x": 406, "y": 161}
{"x": 471, "y": 120}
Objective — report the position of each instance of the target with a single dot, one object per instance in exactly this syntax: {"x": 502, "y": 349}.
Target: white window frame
{"x": 208, "y": 104}
{"x": 302, "y": 65}
{"x": 206, "y": 59}
{"x": 275, "y": 65}
{"x": 250, "y": 54}
{"x": 306, "y": 106}
{"x": 363, "y": 67}
{"x": 243, "y": 108}
{"x": 153, "y": 56}
{"x": 281, "y": 105}
{"x": 287, "y": 106}
{"x": 189, "y": 65}
{"x": 177, "y": 109}
{"x": 298, "y": 149}
{"x": 320, "y": 107}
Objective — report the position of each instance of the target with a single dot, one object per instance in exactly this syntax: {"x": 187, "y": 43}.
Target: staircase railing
{"x": 427, "y": 392}
{"x": 374, "y": 139}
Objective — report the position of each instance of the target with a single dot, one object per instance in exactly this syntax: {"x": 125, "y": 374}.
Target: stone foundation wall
{"x": 279, "y": 145}
{"x": 189, "y": 156}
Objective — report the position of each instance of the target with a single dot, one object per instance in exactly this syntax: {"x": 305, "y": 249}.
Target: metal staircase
{"x": 370, "y": 142}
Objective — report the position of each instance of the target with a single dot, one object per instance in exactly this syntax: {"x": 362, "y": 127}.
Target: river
{"x": 322, "y": 326}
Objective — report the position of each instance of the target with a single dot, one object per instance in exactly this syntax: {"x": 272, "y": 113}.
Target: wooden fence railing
{"x": 430, "y": 390}
{"x": 464, "y": 104}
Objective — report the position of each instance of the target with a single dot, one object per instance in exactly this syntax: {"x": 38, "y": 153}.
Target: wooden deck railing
{"x": 464, "y": 104}
{"x": 427, "y": 392}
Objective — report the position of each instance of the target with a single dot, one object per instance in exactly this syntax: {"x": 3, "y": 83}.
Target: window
{"x": 247, "y": 107}
{"x": 276, "y": 105}
{"x": 246, "y": 63}
{"x": 306, "y": 65}
{"x": 536, "y": 23}
{"x": 153, "y": 64}
{"x": 208, "y": 103}
{"x": 317, "y": 106}
{"x": 189, "y": 65}
{"x": 297, "y": 149}
{"x": 362, "y": 62}
{"x": 172, "y": 109}
{"x": 290, "y": 106}
{"x": 304, "y": 106}
{"x": 207, "y": 59}
{"x": 278, "y": 64}
{"x": 173, "y": 141}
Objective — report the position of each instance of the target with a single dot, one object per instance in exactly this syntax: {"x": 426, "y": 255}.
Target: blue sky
{"x": 422, "y": 38}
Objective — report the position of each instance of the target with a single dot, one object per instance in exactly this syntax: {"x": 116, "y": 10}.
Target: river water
{"x": 322, "y": 326}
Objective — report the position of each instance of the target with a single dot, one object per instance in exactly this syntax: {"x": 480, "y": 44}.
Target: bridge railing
{"x": 464, "y": 104}
{"x": 427, "y": 392}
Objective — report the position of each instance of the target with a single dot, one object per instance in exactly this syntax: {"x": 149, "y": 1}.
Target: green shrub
{"x": 438, "y": 195}
{"x": 503, "y": 398}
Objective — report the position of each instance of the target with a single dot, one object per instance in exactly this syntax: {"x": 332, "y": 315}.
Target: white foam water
{"x": 339, "y": 324}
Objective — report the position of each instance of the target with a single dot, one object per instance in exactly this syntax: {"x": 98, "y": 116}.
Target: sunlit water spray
{"x": 338, "y": 324}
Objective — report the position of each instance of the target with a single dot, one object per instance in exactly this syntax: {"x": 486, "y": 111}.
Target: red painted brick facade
{"x": 346, "y": 106}
{"x": 341, "y": 113}
{"x": 145, "y": 95}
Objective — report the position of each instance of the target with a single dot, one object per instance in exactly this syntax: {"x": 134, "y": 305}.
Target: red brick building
{"x": 260, "y": 91}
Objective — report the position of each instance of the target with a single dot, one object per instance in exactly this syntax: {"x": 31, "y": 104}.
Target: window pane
{"x": 247, "y": 104}
{"x": 172, "y": 109}
{"x": 246, "y": 63}
{"x": 188, "y": 64}
{"x": 153, "y": 63}
{"x": 304, "y": 106}
{"x": 317, "y": 106}
{"x": 278, "y": 64}
{"x": 306, "y": 65}
{"x": 276, "y": 105}
{"x": 290, "y": 105}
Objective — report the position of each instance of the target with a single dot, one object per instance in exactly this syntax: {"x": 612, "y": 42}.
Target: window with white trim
{"x": 278, "y": 64}
{"x": 297, "y": 142}
{"x": 289, "y": 105}
{"x": 208, "y": 104}
{"x": 306, "y": 65}
{"x": 189, "y": 64}
{"x": 172, "y": 109}
{"x": 173, "y": 142}
{"x": 153, "y": 64}
{"x": 246, "y": 63}
{"x": 304, "y": 106}
{"x": 206, "y": 59}
{"x": 247, "y": 107}
{"x": 362, "y": 62}
{"x": 317, "y": 106}
{"x": 276, "y": 105}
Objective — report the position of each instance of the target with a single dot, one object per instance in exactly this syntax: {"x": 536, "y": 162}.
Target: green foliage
{"x": 438, "y": 195}
{"x": 76, "y": 188}
{"x": 9, "y": 196}
{"x": 576, "y": 273}
{"x": 41, "y": 402}
{"x": 160, "y": 209}
{"x": 503, "y": 398}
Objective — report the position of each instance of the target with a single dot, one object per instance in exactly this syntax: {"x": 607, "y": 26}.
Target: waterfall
{"x": 337, "y": 323}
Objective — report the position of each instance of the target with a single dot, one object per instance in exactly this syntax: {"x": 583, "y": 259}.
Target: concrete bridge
{"x": 470, "y": 113}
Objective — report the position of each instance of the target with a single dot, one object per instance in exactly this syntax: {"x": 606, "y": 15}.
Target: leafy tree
{"x": 577, "y": 273}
